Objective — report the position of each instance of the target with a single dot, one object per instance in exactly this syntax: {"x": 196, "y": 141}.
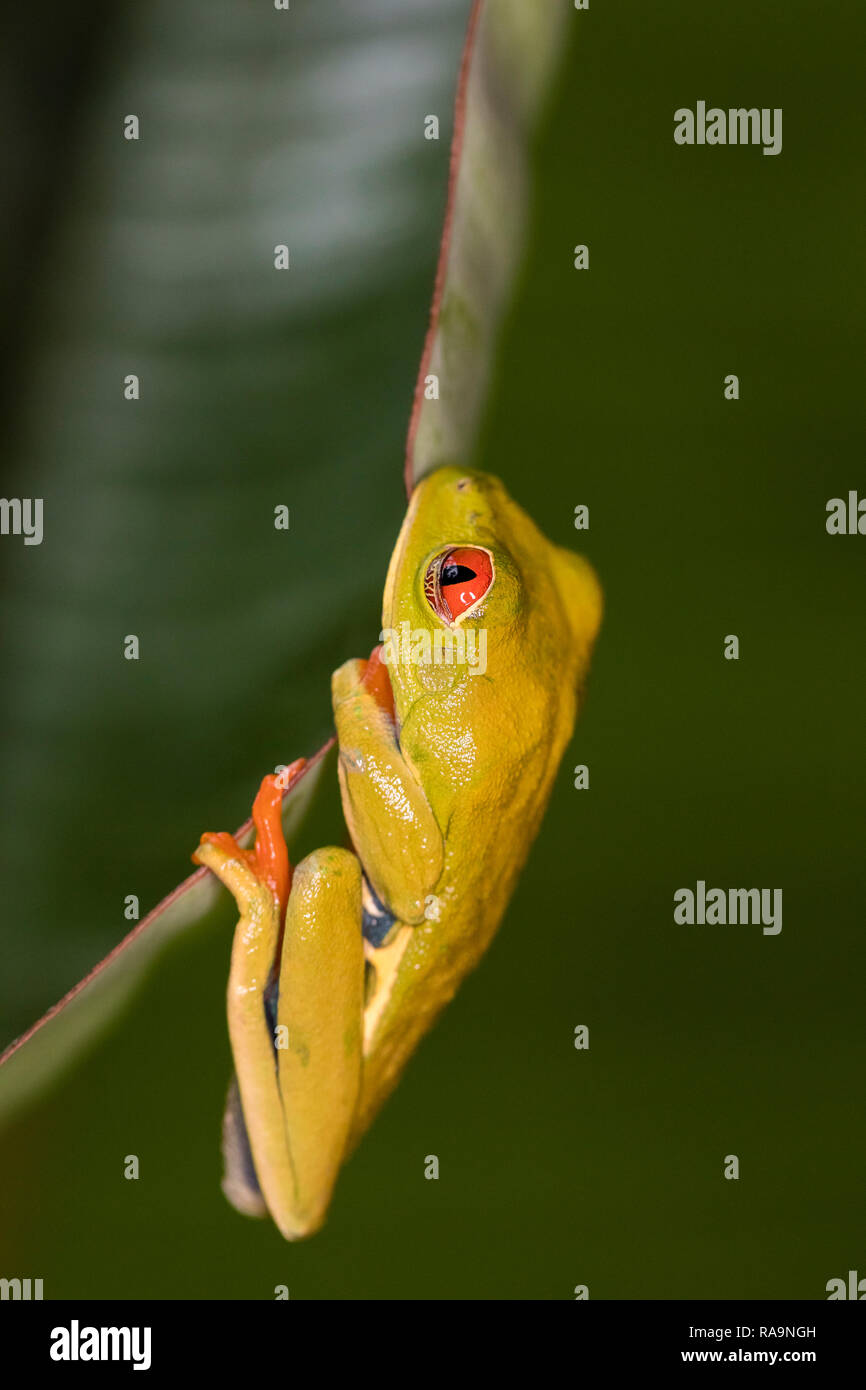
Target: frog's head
{"x": 471, "y": 571}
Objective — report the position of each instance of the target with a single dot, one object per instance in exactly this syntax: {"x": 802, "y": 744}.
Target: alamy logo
{"x": 846, "y": 519}
{"x": 736, "y": 126}
{"x": 855, "y": 1287}
{"x": 22, "y": 516}
{"x": 449, "y": 646}
{"x": 748, "y": 906}
{"x": 20, "y": 1288}
{"x": 75, "y": 1343}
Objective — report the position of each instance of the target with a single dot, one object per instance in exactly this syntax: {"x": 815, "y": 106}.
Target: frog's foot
{"x": 267, "y": 863}
{"x": 371, "y": 681}
{"x": 376, "y": 680}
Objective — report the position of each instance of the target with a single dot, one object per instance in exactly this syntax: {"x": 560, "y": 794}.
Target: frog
{"x": 449, "y": 740}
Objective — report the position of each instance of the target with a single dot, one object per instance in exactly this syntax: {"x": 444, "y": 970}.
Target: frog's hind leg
{"x": 254, "y": 951}
{"x": 321, "y": 1008}
{"x": 295, "y": 1005}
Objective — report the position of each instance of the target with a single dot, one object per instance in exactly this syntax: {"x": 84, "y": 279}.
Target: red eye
{"x": 457, "y": 580}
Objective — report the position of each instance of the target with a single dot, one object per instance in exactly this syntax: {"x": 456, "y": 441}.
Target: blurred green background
{"x": 558, "y": 1167}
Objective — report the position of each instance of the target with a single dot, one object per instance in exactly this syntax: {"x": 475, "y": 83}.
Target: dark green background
{"x": 558, "y": 1167}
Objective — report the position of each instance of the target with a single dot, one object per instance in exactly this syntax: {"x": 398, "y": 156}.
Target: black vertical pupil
{"x": 456, "y": 574}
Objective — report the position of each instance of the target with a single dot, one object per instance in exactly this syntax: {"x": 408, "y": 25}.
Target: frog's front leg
{"x": 392, "y": 826}
{"x": 295, "y": 1011}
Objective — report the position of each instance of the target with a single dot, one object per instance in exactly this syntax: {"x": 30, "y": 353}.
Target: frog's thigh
{"x": 320, "y": 1007}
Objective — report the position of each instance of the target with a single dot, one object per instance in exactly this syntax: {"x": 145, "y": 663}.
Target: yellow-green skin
{"x": 442, "y": 811}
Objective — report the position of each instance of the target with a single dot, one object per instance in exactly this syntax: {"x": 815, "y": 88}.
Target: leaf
{"x": 510, "y": 56}
{"x": 54, "y": 1042}
{"x": 507, "y": 58}
{"x": 256, "y": 127}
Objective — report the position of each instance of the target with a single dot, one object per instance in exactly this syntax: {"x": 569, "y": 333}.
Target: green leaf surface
{"x": 258, "y": 389}
{"x": 509, "y": 63}
{"x": 54, "y": 1043}
{"x": 507, "y": 59}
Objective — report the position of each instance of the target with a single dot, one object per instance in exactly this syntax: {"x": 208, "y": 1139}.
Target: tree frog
{"x": 446, "y": 762}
